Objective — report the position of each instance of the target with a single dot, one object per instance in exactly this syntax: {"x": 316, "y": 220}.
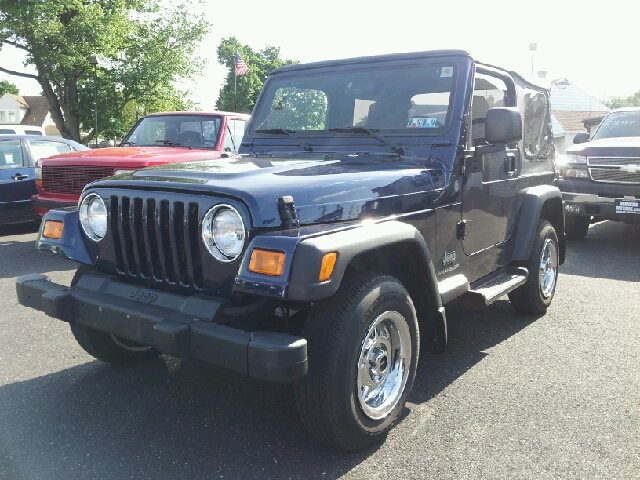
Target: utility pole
{"x": 532, "y": 48}
{"x": 94, "y": 61}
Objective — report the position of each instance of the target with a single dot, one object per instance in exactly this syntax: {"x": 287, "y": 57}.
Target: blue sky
{"x": 594, "y": 45}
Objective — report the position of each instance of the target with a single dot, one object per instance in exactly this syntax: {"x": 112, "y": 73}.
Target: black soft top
{"x": 370, "y": 59}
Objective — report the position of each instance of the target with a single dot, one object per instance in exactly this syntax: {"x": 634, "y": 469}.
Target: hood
{"x": 608, "y": 147}
{"x": 131, "y": 157}
{"x": 322, "y": 190}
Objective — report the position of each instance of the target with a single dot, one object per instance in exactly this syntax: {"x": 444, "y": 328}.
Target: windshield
{"x": 399, "y": 100}
{"x": 619, "y": 124}
{"x": 200, "y": 131}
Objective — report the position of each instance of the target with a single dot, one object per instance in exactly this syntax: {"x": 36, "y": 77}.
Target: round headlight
{"x": 223, "y": 232}
{"x": 93, "y": 217}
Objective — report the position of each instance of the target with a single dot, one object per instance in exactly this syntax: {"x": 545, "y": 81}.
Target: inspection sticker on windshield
{"x": 446, "y": 72}
{"x": 627, "y": 206}
{"x": 422, "y": 122}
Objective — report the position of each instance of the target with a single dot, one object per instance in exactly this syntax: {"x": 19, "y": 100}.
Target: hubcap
{"x": 383, "y": 364}
{"x": 548, "y": 268}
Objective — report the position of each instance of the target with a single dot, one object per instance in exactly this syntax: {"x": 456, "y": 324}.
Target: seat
{"x": 190, "y": 138}
{"x": 387, "y": 115}
{"x": 3, "y": 161}
{"x": 479, "y": 109}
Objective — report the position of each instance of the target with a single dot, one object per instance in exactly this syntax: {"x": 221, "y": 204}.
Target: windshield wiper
{"x": 133, "y": 144}
{"x": 394, "y": 146}
{"x": 290, "y": 133}
{"x": 169, "y": 142}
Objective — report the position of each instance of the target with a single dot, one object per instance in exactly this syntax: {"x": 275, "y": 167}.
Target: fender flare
{"x": 530, "y": 211}
{"x": 304, "y": 284}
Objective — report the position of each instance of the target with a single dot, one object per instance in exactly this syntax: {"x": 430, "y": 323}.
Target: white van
{"x": 13, "y": 129}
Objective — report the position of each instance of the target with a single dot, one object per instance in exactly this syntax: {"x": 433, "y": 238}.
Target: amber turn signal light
{"x": 266, "y": 262}
{"x": 52, "y": 229}
{"x": 328, "y": 263}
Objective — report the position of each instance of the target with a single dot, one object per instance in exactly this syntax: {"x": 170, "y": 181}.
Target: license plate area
{"x": 627, "y": 206}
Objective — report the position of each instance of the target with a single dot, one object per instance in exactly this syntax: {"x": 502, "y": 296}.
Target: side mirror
{"x": 503, "y": 125}
{"x": 581, "y": 138}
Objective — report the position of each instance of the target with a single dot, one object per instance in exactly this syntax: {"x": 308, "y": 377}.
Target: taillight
{"x": 38, "y": 174}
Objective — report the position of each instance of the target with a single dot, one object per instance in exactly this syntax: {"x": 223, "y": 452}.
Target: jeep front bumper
{"x": 173, "y": 324}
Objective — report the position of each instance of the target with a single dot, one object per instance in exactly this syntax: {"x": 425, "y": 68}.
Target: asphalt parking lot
{"x": 513, "y": 397}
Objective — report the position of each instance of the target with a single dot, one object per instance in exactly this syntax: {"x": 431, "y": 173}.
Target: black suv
{"x": 600, "y": 180}
{"x": 368, "y": 194}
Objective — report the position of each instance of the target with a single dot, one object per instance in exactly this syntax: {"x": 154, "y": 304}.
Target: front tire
{"x": 107, "y": 347}
{"x": 534, "y": 296}
{"x": 363, "y": 346}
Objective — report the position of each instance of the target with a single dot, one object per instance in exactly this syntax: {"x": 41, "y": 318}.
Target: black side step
{"x": 498, "y": 283}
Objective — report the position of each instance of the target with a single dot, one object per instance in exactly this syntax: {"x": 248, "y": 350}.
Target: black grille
{"x": 613, "y": 175}
{"x": 157, "y": 240}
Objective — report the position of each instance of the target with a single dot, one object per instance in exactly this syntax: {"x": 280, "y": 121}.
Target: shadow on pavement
{"x": 593, "y": 257}
{"x": 181, "y": 419}
{"x": 18, "y": 254}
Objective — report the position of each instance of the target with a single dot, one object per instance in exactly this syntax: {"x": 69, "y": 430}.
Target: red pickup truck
{"x": 155, "y": 139}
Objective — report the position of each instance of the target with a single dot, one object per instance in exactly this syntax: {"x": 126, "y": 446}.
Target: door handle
{"x": 510, "y": 164}
{"x": 19, "y": 176}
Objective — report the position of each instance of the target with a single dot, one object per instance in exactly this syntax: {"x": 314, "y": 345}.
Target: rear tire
{"x": 105, "y": 346}
{"x": 363, "y": 346}
{"x": 534, "y": 296}
{"x": 576, "y": 228}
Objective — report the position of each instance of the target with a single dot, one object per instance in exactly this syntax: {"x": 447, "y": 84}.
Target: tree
{"x": 249, "y": 85}
{"x": 8, "y": 87}
{"x": 142, "y": 50}
{"x": 618, "y": 102}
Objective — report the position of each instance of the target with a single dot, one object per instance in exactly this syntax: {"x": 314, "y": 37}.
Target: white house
{"x": 27, "y": 110}
{"x": 571, "y": 107}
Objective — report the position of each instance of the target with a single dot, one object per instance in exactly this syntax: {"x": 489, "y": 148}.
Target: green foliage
{"x": 298, "y": 109}
{"x": 8, "y": 87}
{"x": 142, "y": 49}
{"x": 619, "y": 102}
{"x": 249, "y": 85}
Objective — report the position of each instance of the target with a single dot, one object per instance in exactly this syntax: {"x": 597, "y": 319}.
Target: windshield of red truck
{"x": 199, "y": 131}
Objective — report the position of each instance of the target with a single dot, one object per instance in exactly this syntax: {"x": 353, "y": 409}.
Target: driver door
{"x": 491, "y": 172}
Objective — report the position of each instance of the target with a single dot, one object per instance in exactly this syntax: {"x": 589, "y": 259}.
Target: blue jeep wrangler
{"x": 368, "y": 194}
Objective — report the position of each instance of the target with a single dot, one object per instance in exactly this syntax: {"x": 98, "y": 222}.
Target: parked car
{"x": 369, "y": 194}
{"x": 154, "y": 140}
{"x": 13, "y": 129}
{"x": 18, "y": 156}
{"x": 600, "y": 177}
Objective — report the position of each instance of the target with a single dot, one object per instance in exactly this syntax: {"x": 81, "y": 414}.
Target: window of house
{"x": 7, "y": 116}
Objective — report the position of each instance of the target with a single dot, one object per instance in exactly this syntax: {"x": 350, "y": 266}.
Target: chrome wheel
{"x": 383, "y": 364}
{"x": 548, "y": 268}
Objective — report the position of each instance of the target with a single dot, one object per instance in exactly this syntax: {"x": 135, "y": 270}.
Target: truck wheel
{"x": 576, "y": 228}
{"x": 363, "y": 346}
{"x": 105, "y": 346}
{"x": 533, "y": 297}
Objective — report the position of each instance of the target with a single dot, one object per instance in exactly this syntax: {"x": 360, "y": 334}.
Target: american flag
{"x": 241, "y": 67}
